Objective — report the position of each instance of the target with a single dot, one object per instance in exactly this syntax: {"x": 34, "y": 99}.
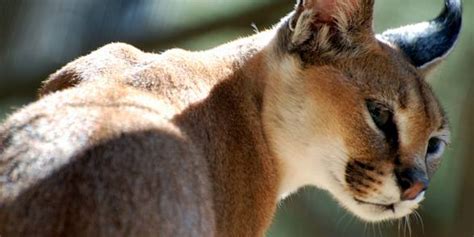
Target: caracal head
{"x": 351, "y": 112}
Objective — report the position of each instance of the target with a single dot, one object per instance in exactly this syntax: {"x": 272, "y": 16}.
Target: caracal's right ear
{"x": 330, "y": 29}
{"x": 426, "y": 44}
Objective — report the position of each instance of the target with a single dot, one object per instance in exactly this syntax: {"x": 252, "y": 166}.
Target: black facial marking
{"x": 371, "y": 179}
{"x": 364, "y": 166}
{"x": 381, "y": 173}
{"x": 384, "y": 119}
{"x": 361, "y": 177}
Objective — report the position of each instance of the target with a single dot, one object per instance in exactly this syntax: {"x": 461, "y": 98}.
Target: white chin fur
{"x": 374, "y": 213}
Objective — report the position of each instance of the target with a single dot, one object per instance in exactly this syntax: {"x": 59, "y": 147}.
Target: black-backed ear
{"x": 427, "y": 43}
{"x": 330, "y": 28}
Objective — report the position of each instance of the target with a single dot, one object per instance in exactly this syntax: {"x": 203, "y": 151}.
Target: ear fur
{"x": 328, "y": 10}
{"x": 329, "y": 29}
{"x": 426, "y": 44}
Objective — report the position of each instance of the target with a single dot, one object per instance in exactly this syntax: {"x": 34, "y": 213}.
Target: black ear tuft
{"x": 428, "y": 42}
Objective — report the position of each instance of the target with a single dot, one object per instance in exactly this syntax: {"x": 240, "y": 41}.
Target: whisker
{"x": 342, "y": 218}
{"x": 409, "y": 226}
{"x": 405, "y": 226}
{"x": 399, "y": 225}
{"x": 348, "y": 223}
{"x": 421, "y": 221}
{"x": 380, "y": 229}
{"x": 373, "y": 229}
{"x": 365, "y": 228}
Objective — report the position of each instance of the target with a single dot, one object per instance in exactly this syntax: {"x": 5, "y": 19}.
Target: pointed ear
{"x": 329, "y": 26}
{"x": 326, "y": 11}
{"x": 426, "y": 44}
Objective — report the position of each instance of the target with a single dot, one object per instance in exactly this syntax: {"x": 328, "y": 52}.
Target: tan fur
{"x": 124, "y": 142}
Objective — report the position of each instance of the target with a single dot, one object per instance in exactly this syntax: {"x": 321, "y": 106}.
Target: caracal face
{"x": 368, "y": 117}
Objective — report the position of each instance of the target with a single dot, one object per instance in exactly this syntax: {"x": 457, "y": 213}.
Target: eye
{"x": 379, "y": 113}
{"x": 435, "y": 146}
{"x": 383, "y": 118}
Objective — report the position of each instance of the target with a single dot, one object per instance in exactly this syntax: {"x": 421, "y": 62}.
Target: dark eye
{"x": 379, "y": 113}
{"x": 434, "y": 146}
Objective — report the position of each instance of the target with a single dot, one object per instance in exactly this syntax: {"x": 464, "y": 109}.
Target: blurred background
{"x": 38, "y": 37}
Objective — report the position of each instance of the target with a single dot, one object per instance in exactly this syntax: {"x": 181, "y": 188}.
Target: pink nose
{"x": 413, "y": 191}
{"x": 412, "y": 182}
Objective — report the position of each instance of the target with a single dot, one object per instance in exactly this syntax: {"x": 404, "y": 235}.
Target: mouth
{"x": 375, "y": 211}
{"x": 385, "y": 207}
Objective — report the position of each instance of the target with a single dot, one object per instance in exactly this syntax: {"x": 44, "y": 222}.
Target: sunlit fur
{"x": 128, "y": 143}
{"x": 323, "y": 122}
{"x": 326, "y": 138}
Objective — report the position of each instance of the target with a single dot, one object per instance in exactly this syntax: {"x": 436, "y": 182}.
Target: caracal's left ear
{"x": 428, "y": 43}
{"x": 330, "y": 29}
